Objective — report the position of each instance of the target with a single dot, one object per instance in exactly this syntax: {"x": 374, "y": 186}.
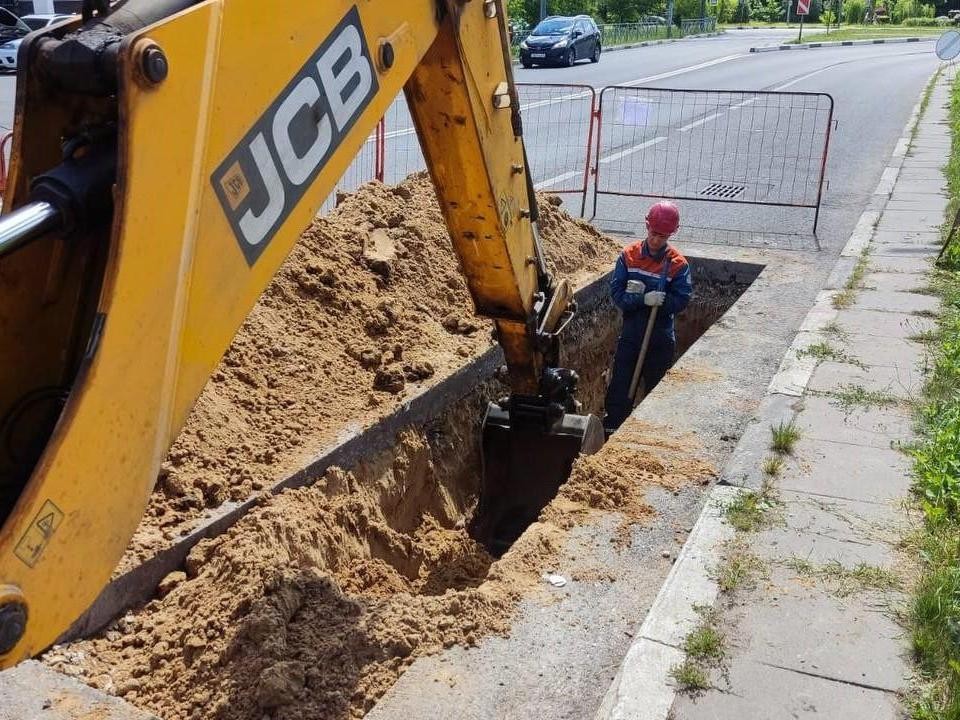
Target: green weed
{"x": 851, "y": 397}
{"x": 752, "y": 510}
{"x": 772, "y": 466}
{"x": 846, "y": 581}
{"x": 784, "y": 437}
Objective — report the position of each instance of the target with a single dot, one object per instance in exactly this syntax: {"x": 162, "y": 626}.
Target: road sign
{"x": 803, "y": 7}
{"x": 948, "y": 46}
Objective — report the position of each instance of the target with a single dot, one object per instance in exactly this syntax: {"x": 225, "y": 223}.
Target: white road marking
{"x": 631, "y": 150}
{"x": 701, "y": 121}
{"x": 681, "y": 71}
{"x": 558, "y": 178}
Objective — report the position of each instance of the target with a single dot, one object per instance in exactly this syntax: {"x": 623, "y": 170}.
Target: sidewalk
{"x": 804, "y": 593}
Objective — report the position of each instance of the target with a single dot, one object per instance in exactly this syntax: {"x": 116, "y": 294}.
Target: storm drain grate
{"x": 722, "y": 190}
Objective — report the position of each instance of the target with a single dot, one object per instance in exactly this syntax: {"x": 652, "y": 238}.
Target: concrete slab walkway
{"x": 804, "y": 599}
{"x": 813, "y": 634}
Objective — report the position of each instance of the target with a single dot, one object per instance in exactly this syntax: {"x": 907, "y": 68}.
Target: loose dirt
{"x": 369, "y": 308}
{"x": 318, "y": 599}
{"x": 314, "y": 603}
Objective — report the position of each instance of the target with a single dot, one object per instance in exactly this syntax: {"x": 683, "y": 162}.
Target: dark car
{"x": 560, "y": 40}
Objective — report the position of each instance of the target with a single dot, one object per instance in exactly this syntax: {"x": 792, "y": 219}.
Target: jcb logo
{"x": 266, "y": 175}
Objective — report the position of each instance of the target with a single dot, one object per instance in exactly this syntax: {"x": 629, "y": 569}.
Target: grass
{"x": 752, "y": 510}
{"x": 836, "y": 331}
{"x": 845, "y": 581}
{"x": 870, "y": 33}
{"x": 772, "y": 466}
{"x": 739, "y": 567}
{"x": 844, "y": 298}
{"x": 925, "y": 336}
{"x": 934, "y": 611}
{"x": 825, "y": 351}
{"x": 690, "y": 677}
{"x": 705, "y": 650}
{"x": 852, "y": 397}
{"x": 783, "y": 437}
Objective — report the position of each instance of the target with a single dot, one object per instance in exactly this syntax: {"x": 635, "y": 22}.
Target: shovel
{"x": 645, "y": 345}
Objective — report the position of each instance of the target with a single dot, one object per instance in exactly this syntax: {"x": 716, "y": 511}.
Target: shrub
{"x": 853, "y": 11}
{"x": 921, "y": 22}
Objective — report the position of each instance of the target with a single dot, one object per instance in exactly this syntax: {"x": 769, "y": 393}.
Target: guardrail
{"x": 708, "y": 146}
{"x": 612, "y": 34}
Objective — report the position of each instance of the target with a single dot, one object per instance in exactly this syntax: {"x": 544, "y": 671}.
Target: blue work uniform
{"x": 667, "y": 271}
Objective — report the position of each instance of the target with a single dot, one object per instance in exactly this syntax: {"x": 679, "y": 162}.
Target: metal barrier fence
{"x": 558, "y": 125}
{"x": 557, "y": 132}
{"x": 757, "y": 148}
{"x": 710, "y": 146}
{"x": 612, "y": 34}
{"x": 695, "y": 26}
{"x": 367, "y": 165}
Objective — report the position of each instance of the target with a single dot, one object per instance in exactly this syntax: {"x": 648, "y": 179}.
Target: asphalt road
{"x": 873, "y": 88}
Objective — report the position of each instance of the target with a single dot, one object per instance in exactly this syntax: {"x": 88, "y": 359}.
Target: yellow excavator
{"x": 167, "y": 156}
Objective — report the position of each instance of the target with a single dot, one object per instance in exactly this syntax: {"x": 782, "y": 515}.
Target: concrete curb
{"x": 842, "y": 43}
{"x": 648, "y": 43}
{"x": 642, "y": 688}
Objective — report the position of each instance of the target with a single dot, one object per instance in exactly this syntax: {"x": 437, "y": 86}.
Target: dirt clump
{"x": 369, "y": 308}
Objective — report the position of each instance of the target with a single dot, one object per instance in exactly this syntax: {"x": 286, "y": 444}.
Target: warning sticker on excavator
{"x": 264, "y": 177}
{"x": 38, "y": 535}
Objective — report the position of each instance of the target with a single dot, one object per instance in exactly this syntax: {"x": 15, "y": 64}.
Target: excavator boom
{"x": 166, "y": 158}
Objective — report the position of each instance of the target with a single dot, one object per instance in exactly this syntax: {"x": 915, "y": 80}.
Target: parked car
{"x": 653, "y": 20}
{"x": 561, "y": 40}
{"x": 10, "y": 43}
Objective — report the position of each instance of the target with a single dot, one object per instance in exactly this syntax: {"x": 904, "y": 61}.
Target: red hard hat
{"x": 663, "y": 218}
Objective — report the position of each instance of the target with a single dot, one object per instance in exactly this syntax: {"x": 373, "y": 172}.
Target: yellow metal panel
{"x": 178, "y": 284}
{"x": 471, "y": 151}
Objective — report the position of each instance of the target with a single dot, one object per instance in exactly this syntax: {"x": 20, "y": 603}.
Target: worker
{"x": 649, "y": 274}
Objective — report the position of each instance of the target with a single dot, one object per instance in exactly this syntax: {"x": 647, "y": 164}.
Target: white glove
{"x": 654, "y": 298}
{"x": 634, "y": 287}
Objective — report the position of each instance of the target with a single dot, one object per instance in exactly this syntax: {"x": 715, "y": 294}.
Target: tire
{"x": 526, "y": 65}
{"x": 595, "y": 58}
{"x": 571, "y": 57}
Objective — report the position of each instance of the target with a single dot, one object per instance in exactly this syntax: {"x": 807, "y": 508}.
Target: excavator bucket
{"x": 524, "y": 466}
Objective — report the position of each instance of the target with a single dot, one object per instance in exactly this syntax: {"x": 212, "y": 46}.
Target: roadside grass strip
{"x": 934, "y": 613}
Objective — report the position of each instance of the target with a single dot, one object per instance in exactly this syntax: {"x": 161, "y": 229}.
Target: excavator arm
{"x": 166, "y": 158}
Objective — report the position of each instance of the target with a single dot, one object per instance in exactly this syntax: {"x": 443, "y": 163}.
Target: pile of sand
{"x": 313, "y": 604}
{"x": 317, "y": 600}
{"x": 369, "y": 307}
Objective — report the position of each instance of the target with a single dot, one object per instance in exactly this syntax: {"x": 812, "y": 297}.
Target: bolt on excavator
{"x": 167, "y": 155}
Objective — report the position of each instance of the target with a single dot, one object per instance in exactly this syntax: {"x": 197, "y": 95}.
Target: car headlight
{"x": 7, "y": 46}
{"x": 561, "y": 43}
{"x": 523, "y": 44}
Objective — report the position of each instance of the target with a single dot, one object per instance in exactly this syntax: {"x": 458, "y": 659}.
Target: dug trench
{"x": 318, "y": 598}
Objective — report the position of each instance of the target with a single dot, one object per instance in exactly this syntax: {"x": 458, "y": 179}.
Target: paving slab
{"x": 760, "y": 692}
{"x": 897, "y": 281}
{"x": 824, "y": 530}
{"x": 792, "y": 623}
{"x": 893, "y": 236}
{"x": 897, "y": 382}
{"x": 32, "y": 691}
{"x": 823, "y": 419}
{"x": 910, "y": 219}
{"x": 898, "y": 302}
{"x": 908, "y": 174}
{"x": 930, "y": 186}
{"x": 878, "y": 323}
{"x": 892, "y": 352}
{"x": 912, "y": 265}
{"x": 835, "y": 470}
{"x": 909, "y": 201}
{"x": 926, "y": 252}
